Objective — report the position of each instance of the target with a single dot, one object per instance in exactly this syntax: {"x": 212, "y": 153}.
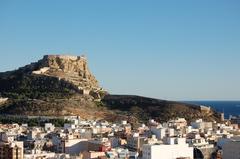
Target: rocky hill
{"x": 63, "y": 85}
{"x": 54, "y": 74}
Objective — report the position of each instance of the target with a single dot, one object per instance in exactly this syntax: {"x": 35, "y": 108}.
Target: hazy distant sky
{"x": 179, "y": 50}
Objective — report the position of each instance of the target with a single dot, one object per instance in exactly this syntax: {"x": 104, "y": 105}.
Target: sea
{"x": 227, "y": 107}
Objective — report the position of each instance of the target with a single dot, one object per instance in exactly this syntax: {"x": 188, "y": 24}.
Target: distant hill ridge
{"x": 64, "y": 85}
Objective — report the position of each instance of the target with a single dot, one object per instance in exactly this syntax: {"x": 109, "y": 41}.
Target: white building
{"x": 200, "y": 124}
{"x": 69, "y": 126}
{"x": 173, "y": 149}
{"x": 178, "y": 123}
{"x": 162, "y": 132}
{"x": 49, "y": 127}
{"x": 159, "y": 132}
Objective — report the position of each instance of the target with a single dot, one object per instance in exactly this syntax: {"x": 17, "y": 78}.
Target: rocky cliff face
{"x": 73, "y": 69}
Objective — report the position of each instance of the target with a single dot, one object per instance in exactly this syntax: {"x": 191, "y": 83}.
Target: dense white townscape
{"x": 87, "y": 139}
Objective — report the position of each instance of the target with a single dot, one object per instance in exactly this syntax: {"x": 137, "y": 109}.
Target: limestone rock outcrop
{"x": 73, "y": 69}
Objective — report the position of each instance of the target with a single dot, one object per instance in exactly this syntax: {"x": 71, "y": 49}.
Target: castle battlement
{"x": 65, "y": 57}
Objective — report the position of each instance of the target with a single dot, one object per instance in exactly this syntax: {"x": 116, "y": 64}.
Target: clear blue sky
{"x": 179, "y": 50}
